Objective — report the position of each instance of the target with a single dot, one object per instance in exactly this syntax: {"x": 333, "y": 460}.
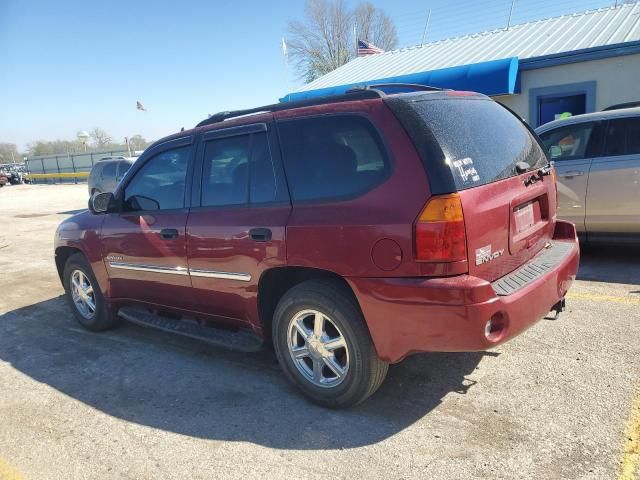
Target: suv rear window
{"x": 465, "y": 141}
{"x": 332, "y": 157}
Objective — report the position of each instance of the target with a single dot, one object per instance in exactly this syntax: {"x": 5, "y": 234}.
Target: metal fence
{"x": 68, "y": 163}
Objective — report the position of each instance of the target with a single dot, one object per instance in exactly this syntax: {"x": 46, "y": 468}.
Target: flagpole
{"x": 285, "y": 54}
{"x": 355, "y": 38}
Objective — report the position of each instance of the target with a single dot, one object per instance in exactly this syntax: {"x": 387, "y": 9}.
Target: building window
{"x": 559, "y": 101}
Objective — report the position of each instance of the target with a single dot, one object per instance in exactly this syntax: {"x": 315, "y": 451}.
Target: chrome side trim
{"x": 149, "y": 268}
{"x": 243, "y": 277}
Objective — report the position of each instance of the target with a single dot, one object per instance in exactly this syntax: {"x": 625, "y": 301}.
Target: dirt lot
{"x": 556, "y": 402}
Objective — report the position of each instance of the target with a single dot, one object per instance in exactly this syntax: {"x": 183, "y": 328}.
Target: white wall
{"x": 618, "y": 81}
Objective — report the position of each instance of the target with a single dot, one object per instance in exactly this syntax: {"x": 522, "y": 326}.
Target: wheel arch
{"x": 276, "y": 281}
{"x": 62, "y": 254}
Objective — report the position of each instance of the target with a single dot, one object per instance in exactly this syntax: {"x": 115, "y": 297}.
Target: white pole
{"x": 355, "y": 38}
{"x": 513, "y": 2}
{"x": 285, "y": 54}
{"x": 426, "y": 25}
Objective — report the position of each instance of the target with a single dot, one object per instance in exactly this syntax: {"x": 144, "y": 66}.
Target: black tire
{"x": 366, "y": 371}
{"x": 102, "y": 318}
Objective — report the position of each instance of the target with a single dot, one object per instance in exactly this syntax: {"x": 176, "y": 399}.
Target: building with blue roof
{"x": 570, "y": 64}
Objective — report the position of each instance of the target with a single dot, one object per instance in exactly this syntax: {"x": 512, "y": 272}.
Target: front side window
{"x": 238, "y": 170}
{"x": 332, "y": 157}
{"x": 160, "y": 183}
{"x": 572, "y": 142}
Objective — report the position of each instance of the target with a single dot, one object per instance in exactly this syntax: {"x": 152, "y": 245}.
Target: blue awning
{"x": 496, "y": 77}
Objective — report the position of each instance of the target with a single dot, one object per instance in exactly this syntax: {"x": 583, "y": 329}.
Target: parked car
{"x": 597, "y": 159}
{"x": 106, "y": 173}
{"x": 348, "y": 232}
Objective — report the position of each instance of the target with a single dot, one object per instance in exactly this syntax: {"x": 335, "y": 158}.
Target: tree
{"x": 42, "y": 147}
{"x": 138, "y": 142}
{"x": 374, "y": 26}
{"x": 9, "y": 153}
{"x": 100, "y": 138}
{"x": 324, "y": 40}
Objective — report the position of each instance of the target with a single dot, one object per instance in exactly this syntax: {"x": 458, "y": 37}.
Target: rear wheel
{"x": 323, "y": 345}
{"x": 84, "y": 295}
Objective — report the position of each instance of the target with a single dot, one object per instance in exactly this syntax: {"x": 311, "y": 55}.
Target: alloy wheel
{"x": 318, "y": 348}
{"x": 83, "y": 295}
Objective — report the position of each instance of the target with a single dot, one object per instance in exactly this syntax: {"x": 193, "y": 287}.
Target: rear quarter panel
{"x": 339, "y": 236}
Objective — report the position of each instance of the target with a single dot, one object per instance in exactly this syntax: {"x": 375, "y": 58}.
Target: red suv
{"x": 347, "y": 231}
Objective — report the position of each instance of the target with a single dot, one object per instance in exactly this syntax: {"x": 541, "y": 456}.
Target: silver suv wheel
{"x": 83, "y": 294}
{"x": 318, "y": 348}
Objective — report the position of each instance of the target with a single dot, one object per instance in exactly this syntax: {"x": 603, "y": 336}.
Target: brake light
{"x": 439, "y": 230}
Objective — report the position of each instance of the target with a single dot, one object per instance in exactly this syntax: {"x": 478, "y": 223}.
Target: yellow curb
{"x": 604, "y": 298}
{"x": 7, "y": 472}
{"x": 630, "y": 464}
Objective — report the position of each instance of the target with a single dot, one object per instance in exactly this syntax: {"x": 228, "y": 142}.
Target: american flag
{"x": 367, "y": 48}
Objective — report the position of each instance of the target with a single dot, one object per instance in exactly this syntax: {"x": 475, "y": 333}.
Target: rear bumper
{"x": 410, "y": 315}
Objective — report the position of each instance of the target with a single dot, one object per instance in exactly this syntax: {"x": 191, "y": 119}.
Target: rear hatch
{"x": 471, "y": 145}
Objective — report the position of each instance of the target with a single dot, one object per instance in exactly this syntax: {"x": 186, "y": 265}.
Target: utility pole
{"x": 426, "y": 25}
{"x": 513, "y": 2}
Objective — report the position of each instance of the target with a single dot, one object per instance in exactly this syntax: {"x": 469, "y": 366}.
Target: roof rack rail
{"x": 414, "y": 86}
{"x": 620, "y": 106}
{"x": 359, "y": 94}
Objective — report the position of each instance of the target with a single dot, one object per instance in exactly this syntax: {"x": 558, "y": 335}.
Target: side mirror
{"x": 555, "y": 151}
{"x": 102, "y": 203}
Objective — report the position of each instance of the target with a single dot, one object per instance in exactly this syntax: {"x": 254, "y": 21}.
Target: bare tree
{"x": 373, "y": 25}
{"x": 324, "y": 40}
{"x": 138, "y": 142}
{"x": 100, "y": 138}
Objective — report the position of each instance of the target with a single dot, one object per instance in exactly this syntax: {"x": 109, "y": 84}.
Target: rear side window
{"x": 238, "y": 170}
{"x": 109, "y": 170}
{"x": 623, "y": 137}
{"x": 573, "y": 142}
{"x": 332, "y": 157}
{"x": 466, "y": 142}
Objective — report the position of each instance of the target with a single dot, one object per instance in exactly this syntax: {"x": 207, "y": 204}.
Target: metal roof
{"x": 578, "y": 31}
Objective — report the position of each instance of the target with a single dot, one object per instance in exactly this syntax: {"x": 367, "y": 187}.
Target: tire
{"x": 101, "y": 318}
{"x": 297, "y": 315}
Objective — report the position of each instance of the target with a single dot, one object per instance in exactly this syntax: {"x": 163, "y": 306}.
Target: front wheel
{"x": 84, "y": 295}
{"x": 323, "y": 345}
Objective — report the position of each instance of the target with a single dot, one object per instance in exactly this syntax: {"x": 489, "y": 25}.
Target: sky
{"x": 71, "y": 65}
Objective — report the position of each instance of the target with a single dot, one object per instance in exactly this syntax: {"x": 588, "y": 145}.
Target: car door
{"x": 237, "y": 229}
{"x": 613, "y": 195}
{"x": 572, "y": 148}
{"x": 144, "y": 243}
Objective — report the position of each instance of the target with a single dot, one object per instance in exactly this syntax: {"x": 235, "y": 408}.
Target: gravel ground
{"x": 133, "y": 403}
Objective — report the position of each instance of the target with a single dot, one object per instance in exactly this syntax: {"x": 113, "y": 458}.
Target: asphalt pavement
{"x": 555, "y": 403}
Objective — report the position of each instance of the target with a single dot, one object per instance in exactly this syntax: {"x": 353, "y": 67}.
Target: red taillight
{"x": 439, "y": 230}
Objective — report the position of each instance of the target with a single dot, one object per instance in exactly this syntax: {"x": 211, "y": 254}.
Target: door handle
{"x": 168, "y": 233}
{"x": 260, "y": 234}
{"x": 572, "y": 174}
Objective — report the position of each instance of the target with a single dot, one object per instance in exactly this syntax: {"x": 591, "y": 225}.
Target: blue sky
{"x": 72, "y": 65}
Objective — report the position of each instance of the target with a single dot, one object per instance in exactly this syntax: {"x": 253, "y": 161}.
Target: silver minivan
{"x": 107, "y": 173}
{"x": 597, "y": 160}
